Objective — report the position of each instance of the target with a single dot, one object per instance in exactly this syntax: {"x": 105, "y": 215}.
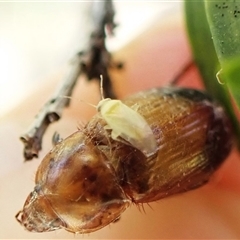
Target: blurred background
{"x": 37, "y": 41}
{"x": 37, "y": 38}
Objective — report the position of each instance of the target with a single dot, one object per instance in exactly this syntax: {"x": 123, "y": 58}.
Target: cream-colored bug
{"x": 127, "y": 124}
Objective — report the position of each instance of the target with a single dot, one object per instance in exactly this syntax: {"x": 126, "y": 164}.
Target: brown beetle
{"x": 86, "y": 181}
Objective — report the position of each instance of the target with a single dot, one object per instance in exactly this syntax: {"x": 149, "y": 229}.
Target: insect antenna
{"x": 80, "y": 100}
{"x": 101, "y": 87}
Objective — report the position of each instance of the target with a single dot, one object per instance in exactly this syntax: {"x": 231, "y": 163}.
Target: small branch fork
{"x": 92, "y": 63}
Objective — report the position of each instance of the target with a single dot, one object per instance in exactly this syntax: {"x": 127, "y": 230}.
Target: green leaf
{"x": 224, "y": 21}
{"x": 206, "y": 58}
{"x": 231, "y": 73}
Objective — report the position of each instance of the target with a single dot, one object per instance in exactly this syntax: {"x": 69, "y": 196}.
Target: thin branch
{"x": 182, "y": 72}
{"x": 92, "y": 62}
{"x": 50, "y": 112}
{"x": 97, "y": 59}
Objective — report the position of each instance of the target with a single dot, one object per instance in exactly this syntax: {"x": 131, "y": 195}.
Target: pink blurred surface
{"x": 152, "y": 59}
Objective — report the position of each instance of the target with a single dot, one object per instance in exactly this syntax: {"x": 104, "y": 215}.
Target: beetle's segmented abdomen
{"x": 194, "y": 138}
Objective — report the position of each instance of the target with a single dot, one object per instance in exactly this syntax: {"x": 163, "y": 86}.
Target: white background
{"x": 37, "y": 38}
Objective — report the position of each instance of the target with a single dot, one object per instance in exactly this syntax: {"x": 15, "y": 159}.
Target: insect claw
{"x": 18, "y": 216}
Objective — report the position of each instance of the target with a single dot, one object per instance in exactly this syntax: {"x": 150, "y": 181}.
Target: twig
{"x": 50, "y": 112}
{"x": 97, "y": 59}
{"x": 92, "y": 62}
{"x": 182, "y": 72}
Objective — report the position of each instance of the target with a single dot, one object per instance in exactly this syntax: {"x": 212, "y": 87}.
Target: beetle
{"x": 87, "y": 180}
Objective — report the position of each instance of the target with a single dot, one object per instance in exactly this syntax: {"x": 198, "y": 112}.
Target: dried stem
{"x": 50, "y": 112}
{"x": 182, "y": 72}
{"x": 92, "y": 62}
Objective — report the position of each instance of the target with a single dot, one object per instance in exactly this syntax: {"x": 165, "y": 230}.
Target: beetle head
{"x": 37, "y": 214}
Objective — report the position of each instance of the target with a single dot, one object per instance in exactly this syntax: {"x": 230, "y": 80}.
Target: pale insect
{"x": 127, "y": 125}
